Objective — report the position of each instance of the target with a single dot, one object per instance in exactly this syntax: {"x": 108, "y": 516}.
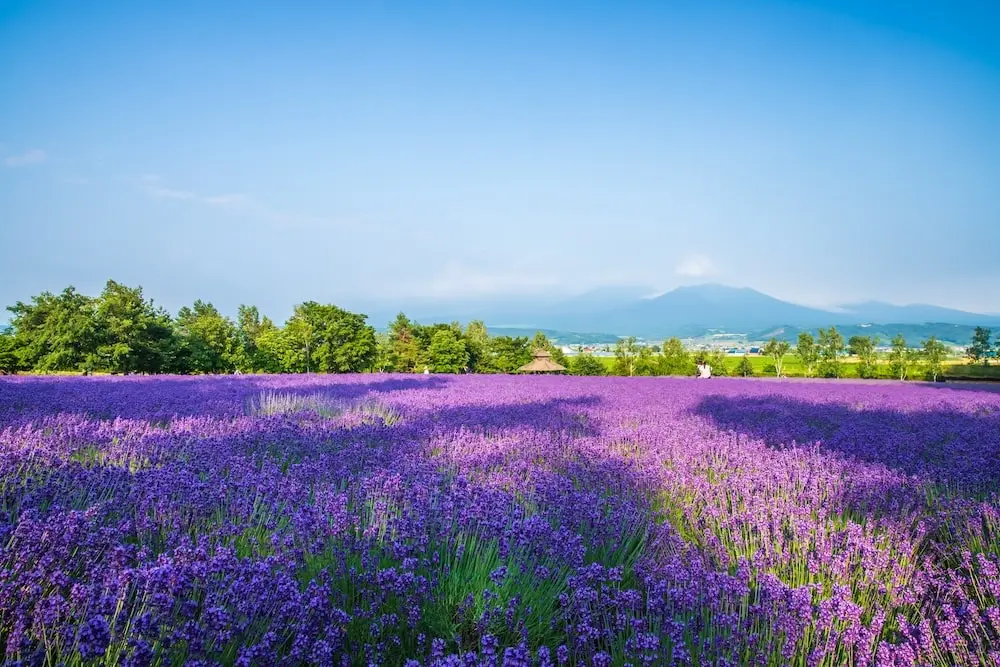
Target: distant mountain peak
{"x": 716, "y": 288}
{"x": 707, "y": 287}
{"x": 616, "y": 291}
{"x": 916, "y": 313}
{"x": 690, "y": 310}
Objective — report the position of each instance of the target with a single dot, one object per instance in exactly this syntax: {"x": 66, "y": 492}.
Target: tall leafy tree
{"x": 329, "y": 339}
{"x": 807, "y": 351}
{"x": 509, "y": 353}
{"x": 348, "y": 343}
{"x": 9, "y": 362}
{"x": 674, "y": 359}
{"x": 541, "y": 342}
{"x": 830, "y": 346}
{"x": 210, "y": 342}
{"x": 301, "y": 338}
{"x": 404, "y": 345}
{"x": 719, "y": 363}
{"x": 424, "y": 334}
{"x": 900, "y": 357}
{"x": 586, "y": 364}
{"x": 383, "y": 353}
{"x": 447, "y": 352}
{"x": 626, "y": 356}
{"x": 477, "y": 342}
{"x": 55, "y": 332}
{"x": 134, "y": 335}
{"x": 276, "y": 352}
{"x": 745, "y": 367}
{"x": 934, "y": 352}
{"x": 646, "y": 362}
{"x": 978, "y": 351}
{"x": 864, "y": 348}
{"x": 777, "y": 349}
{"x": 250, "y": 325}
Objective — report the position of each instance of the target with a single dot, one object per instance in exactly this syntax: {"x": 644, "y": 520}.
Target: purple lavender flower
{"x": 148, "y": 520}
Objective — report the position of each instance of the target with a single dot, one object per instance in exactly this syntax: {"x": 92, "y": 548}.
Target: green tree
{"x": 9, "y": 363}
{"x": 477, "y": 342}
{"x": 719, "y": 362}
{"x": 864, "y": 348}
{"x": 979, "y": 351}
{"x": 134, "y": 335}
{"x": 348, "y": 343}
{"x": 807, "y": 351}
{"x": 509, "y": 353}
{"x": 541, "y": 342}
{"x": 586, "y": 364}
{"x": 716, "y": 360}
{"x": 54, "y": 332}
{"x": 424, "y": 334}
{"x": 299, "y": 342}
{"x": 383, "y": 353}
{"x": 447, "y": 352}
{"x": 900, "y": 357}
{"x": 209, "y": 342}
{"x": 250, "y": 326}
{"x": 675, "y": 360}
{"x": 934, "y": 352}
{"x": 646, "y": 362}
{"x": 777, "y": 349}
{"x": 745, "y": 367}
{"x": 626, "y": 356}
{"x": 405, "y": 347}
{"x": 329, "y": 339}
{"x": 276, "y": 352}
{"x": 830, "y": 346}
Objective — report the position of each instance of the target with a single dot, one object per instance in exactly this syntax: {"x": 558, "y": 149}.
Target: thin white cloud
{"x": 456, "y": 280}
{"x": 226, "y": 200}
{"x": 153, "y": 185}
{"x": 170, "y": 193}
{"x": 695, "y": 265}
{"x": 156, "y": 187}
{"x": 284, "y": 219}
{"x": 33, "y": 156}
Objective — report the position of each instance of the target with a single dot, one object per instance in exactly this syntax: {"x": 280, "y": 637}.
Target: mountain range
{"x": 689, "y": 311}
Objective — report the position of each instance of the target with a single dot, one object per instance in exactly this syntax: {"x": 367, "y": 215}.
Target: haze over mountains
{"x": 685, "y": 311}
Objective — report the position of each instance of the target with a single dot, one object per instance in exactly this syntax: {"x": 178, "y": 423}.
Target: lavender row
{"x": 393, "y": 520}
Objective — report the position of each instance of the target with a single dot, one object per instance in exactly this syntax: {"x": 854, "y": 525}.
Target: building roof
{"x": 541, "y": 363}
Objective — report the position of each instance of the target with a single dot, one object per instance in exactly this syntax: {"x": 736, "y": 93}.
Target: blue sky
{"x": 386, "y": 152}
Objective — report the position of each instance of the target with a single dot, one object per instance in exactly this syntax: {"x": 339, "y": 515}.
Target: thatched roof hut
{"x": 541, "y": 363}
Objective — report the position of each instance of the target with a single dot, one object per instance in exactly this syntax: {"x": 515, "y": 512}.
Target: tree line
{"x": 121, "y": 331}
{"x": 825, "y": 355}
{"x": 410, "y": 347}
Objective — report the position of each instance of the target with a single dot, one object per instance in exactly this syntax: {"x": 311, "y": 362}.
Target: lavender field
{"x": 410, "y": 520}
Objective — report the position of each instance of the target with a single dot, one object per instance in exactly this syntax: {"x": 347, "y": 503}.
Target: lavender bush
{"x": 400, "y": 520}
